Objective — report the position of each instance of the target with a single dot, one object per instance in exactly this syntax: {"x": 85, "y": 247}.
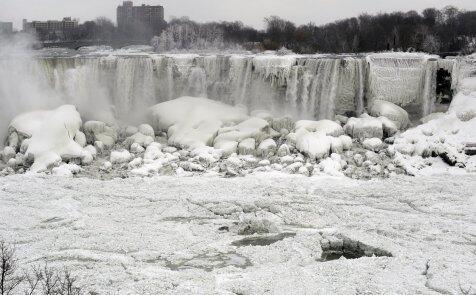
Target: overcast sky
{"x": 250, "y": 12}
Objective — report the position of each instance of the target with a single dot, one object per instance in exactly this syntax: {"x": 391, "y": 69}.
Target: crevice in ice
{"x": 339, "y": 246}
{"x": 263, "y": 240}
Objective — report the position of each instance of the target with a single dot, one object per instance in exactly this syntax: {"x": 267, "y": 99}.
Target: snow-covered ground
{"x": 191, "y": 235}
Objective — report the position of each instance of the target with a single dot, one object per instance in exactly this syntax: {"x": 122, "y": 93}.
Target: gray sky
{"x": 250, "y": 12}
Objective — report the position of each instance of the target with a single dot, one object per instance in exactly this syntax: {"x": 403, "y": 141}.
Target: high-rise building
{"x": 130, "y": 17}
{"x": 6, "y": 27}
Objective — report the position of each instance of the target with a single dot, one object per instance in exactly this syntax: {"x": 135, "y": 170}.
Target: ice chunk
{"x": 153, "y": 152}
{"x": 8, "y": 153}
{"x": 267, "y": 147}
{"x": 313, "y": 144}
{"x": 364, "y": 128}
{"x": 326, "y": 127}
{"x": 147, "y": 130}
{"x": 100, "y": 131}
{"x": 247, "y": 146}
{"x": 53, "y": 139}
{"x": 66, "y": 170}
{"x": 119, "y": 157}
{"x": 80, "y": 138}
{"x": 373, "y": 144}
{"x": 391, "y": 111}
{"x": 139, "y": 138}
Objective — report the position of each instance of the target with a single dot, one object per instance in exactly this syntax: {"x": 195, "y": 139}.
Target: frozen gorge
{"x": 241, "y": 173}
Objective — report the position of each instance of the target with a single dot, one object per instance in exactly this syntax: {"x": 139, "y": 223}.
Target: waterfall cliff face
{"x": 311, "y": 87}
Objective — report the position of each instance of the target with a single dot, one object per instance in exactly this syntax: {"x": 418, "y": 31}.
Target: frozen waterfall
{"x": 105, "y": 87}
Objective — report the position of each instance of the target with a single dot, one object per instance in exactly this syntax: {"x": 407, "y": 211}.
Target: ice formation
{"x": 262, "y": 112}
{"x": 51, "y": 136}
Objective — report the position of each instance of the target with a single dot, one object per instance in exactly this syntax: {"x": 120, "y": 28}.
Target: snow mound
{"x": 52, "y": 139}
{"x": 464, "y": 106}
{"x": 192, "y": 122}
{"x": 391, "y": 111}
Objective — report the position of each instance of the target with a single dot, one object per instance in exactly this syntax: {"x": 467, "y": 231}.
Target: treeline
{"x": 433, "y": 31}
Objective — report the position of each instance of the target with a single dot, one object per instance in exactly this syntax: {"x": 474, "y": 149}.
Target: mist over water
{"x": 20, "y": 92}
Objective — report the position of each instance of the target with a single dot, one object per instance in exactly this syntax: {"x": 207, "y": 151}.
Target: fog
{"x": 247, "y": 11}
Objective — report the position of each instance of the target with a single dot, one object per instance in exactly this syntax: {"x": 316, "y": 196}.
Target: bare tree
{"x": 9, "y": 281}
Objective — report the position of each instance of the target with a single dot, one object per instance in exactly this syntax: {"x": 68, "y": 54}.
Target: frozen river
{"x": 262, "y": 234}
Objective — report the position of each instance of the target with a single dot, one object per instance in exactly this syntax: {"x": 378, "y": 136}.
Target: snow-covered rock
{"x": 346, "y": 142}
{"x": 390, "y": 128}
{"x": 153, "y": 152}
{"x": 391, "y": 111}
{"x": 53, "y": 138}
{"x": 255, "y": 128}
{"x": 193, "y": 122}
{"x": 131, "y": 130}
{"x": 314, "y": 145}
{"x": 139, "y": 138}
{"x": 337, "y": 145}
{"x": 332, "y": 165}
{"x": 100, "y": 131}
{"x": 147, "y": 130}
{"x": 247, "y": 146}
{"x": 362, "y": 128}
{"x": 8, "y": 153}
{"x": 13, "y": 140}
{"x": 91, "y": 150}
{"x": 80, "y": 138}
{"x": 267, "y": 147}
{"x": 206, "y": 155}
{"x": 66, "y": 170}
{"x": 135, "y": 163}
{"x": 283, "y": 123}
{"x": 283, "y": 150}
{"x": 106, "y": 166}
{"x": 136, "y": 148}
{"x": 464, "y": 106}
{"x": 373, "y": 144}
{"x": 326, "y": 127}
{"x": 227, "y": 146}
{"x": 119, "y": 157}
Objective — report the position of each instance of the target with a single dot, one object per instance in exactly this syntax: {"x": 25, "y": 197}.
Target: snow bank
{"x": 193, "y": 122}
{"x": 53, "y": 137}
{"x": 445, "y": 136}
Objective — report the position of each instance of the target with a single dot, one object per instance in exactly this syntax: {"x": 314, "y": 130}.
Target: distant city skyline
{"x": 250, "y": 12}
